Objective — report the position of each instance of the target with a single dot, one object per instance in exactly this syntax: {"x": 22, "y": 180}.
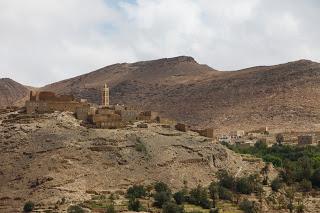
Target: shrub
{"x": 199, "y": 196}
{"x": 170, "y": 207}
{"x": 248, "y": 206}
{"x": 110, "y": 209}
{"x": 161, "y": 187}
{"x": 276, "y": 161}
{"x": 279, "y": 139}
{"x": 276, "y": 184}
{"x": 305, "y": 185}
{"x": 28, "y": 206}
{"x": 161, "y": 198}
{"x": 225, "y": 179}
{"x": 179, "y": 197}
{"x": 214, "y": 192}
{"x": 140, "y": 147}
{"x": 134, "y": 205}
{"x": 136, "y": 191}
{"x": 316, "y": 178}
{"x": 261, "y": 145}
{"x": 225, "y": 194}
{"x": 75, "y": 209}
{"x": 245, "y": 186}
{"x": 214, "y": 210}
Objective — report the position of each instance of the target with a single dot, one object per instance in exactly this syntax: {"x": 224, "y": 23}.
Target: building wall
{"x": 48, "y": 106}
{"x": 181, "y": 127}
{"x": 305, "y": 140}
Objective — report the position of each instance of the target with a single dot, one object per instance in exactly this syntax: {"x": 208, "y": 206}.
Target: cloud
{"x": 45, "y": 41}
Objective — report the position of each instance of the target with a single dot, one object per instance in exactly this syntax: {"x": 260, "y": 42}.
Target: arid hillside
{"x": 48, "y": 157}
{"x": 282, "y": 97}
{"x": 11, "y": 92}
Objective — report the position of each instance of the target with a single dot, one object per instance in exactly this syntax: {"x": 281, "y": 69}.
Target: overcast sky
{"x": 43, "y": 41}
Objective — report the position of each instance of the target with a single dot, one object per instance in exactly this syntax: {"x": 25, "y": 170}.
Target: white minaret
{"x": 105, "y": 95}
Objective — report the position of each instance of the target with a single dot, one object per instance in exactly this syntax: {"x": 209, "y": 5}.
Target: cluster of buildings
{"x": 117, "y": 116}
{"x": 103, "y": 116}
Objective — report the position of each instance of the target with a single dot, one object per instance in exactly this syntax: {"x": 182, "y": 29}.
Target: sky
{"x": 44, "y": 41}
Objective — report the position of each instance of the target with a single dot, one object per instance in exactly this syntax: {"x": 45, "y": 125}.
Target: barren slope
{"x": 49, "y": 157}
{"x": 11, "y": 92}
{"x": 285, "y": 95}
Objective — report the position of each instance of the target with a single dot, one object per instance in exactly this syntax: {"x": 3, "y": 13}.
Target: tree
{"x": 199, "y": 196}
{"x": 214, "y": 193}
{"x": 261, "y": 145}
{"x": 225, "y": 194}
{"x": 171, "y": 207}
{"x": 290, "y": 194}
{"x": 136, "y": 191}
{"x": 134, "y": 205}
{"x": 226, "y": 180}
{"x": 249, "y": 206}
{"x": 161, "y": 198}
{"x": 316, "y": 178}
{"x": 265, "y": 171}
{"x": 279, "y": 139}
{"x": 28, "y": 206}
{"x": 179, "y": 197}
{"x": 276, "y": 184}
{"x": 75, "y": 209}
{"x": 305, "y": 185}
{"x": 161, "y": 187}
{"x": 110, "y": 209}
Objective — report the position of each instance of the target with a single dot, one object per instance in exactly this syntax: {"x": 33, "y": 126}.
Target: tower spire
{"x": 105, "y": 95}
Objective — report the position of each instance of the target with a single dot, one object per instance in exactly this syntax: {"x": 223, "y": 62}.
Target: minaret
{"x": 105, "y": 95}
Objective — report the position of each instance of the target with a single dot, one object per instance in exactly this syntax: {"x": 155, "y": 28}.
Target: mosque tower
{"x": 105, "y": 96}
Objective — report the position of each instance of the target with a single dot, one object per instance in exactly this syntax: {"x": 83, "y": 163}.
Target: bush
{"x": 261, "y": 145}
{"x": 110, "y": 209}
{"x": 161, "y": 187}
{"x": 134, "y": 205}
{"x": 276, "y": 184}
{"x": 75, "y": 209}
{"x": 316, "y": 178}
{"x": 279, "y": 139}
{"x": 276, "y": 161}
{"x": 225, "y": 194}
{"x": 136, "y": 191}
{"x": 179, "y": 197}
{"x": 170, "y": 207}
{"x": 199, "y": 197}
{"x": 28, "y": 206}
{"x": 214, "y": 210}
{"x": 248, "y": 206}
{"x": 305, "y": 185}
{"x": 245, "y": 186}
{"x": 225, "y": 179}
{"x": 161, "y": 198}
{"x": 214, "y": 192}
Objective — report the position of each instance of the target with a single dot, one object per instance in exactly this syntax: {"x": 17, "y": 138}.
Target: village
{"x": 107, "y": 116}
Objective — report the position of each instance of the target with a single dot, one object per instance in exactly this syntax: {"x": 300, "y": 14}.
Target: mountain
{"x": 284, "y": 96}
{"x": 12, "y": 93}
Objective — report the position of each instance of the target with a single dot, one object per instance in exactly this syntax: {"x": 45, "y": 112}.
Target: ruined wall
{"x": 48, "y": 106}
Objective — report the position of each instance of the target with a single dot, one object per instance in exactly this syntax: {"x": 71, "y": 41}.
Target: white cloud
{"x": 45, "y": 41}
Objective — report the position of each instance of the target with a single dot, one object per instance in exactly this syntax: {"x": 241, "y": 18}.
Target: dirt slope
{"x": 11, "y": 92}
{"x": 48, "y": 157}
{"x": 280, "y": 96}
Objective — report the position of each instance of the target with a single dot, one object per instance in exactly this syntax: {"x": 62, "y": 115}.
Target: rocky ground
{"x": 45, "y": 158}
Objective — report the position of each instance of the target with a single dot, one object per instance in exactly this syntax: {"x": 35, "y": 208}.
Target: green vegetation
{"x": 299, "y": 165}
{"x": 134, "y": 205}
{"x": 75, "y": 209}
{"x": 28, "y": 206}
{"x": 249, "y": 206}
{"x": 136, "y": 191}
